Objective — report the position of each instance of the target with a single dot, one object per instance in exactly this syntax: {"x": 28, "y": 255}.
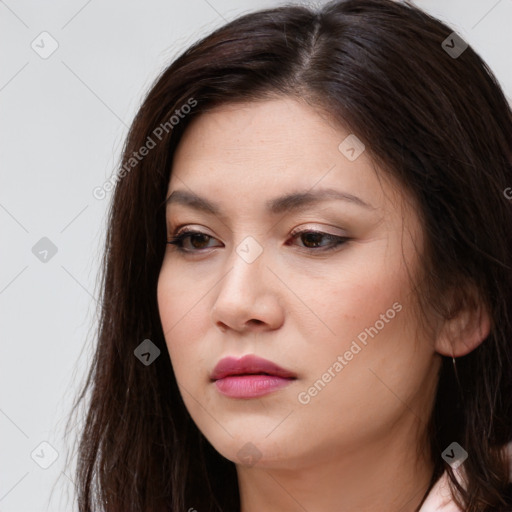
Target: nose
{"x": 248, "y": 297}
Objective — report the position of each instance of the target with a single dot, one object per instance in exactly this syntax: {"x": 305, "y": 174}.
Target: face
{"x": 321, "y": 288}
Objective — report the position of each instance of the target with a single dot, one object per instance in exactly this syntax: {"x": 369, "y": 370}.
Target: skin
{"x": 358, "y": 444}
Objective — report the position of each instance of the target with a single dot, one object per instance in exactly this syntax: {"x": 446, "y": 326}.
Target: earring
{"x": 456, "y": 374}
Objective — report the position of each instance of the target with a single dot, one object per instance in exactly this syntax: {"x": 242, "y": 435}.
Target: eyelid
{"x": 189, "y": 228}
{"x": 185, "y": 228}
{"x": 322, "y": 230}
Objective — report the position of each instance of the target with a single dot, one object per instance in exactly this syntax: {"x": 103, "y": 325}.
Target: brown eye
{"x": 197, "y": 239}
{"x": 312, "y": 240}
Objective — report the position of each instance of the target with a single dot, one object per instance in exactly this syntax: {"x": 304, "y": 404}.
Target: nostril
{"x": 222, "y": 327}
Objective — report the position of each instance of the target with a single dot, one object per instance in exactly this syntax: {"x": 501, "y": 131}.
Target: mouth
{"x": 249, "y": 377}
{"x": 249, "y": 365}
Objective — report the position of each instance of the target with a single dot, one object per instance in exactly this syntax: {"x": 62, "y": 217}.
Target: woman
{"x": 307, "y": 276}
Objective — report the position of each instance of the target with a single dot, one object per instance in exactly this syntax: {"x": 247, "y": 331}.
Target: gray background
{"x": 62, "y": 124}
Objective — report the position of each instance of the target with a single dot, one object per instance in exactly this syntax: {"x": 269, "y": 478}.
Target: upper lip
{"x": 248, "y": 365}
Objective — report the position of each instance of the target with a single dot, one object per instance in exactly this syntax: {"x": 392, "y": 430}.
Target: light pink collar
{"x": 440, "y": 498}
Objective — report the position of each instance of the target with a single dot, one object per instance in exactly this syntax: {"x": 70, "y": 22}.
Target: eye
{"x": 311, "y": 239}
{"x": 191, "y": 236}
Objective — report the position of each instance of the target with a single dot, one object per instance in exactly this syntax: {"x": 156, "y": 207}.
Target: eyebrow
{"x": 296, "y": 201}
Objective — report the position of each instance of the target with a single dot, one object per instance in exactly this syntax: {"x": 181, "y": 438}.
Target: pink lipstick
{"x": 249, "y": 377}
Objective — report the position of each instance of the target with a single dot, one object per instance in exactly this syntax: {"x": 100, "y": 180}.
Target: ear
{"x": 465, "y": 329}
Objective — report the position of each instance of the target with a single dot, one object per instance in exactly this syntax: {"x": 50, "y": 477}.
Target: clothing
{"x": 440, "y": 498}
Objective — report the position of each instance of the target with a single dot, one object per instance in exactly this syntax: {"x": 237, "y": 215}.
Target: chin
{"x": 257, "y": 450}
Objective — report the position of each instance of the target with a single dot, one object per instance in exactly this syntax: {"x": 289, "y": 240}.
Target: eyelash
{"x": 179, "y": 237}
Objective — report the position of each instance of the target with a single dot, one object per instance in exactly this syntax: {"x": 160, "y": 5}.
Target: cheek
{"x": 178, "y": 298}
{"x": 182, "y": 307}
{"x": 369, "y": 312}
{"x": 385, "y": 364}
{"x": 173, "y": 306}
{"x": 365, "y": 287}
{"x": 166, "y": 298}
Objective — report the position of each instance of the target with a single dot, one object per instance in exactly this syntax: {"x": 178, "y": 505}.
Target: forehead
{"x": 262, "y": 150}
{"x": 271, "y": 130}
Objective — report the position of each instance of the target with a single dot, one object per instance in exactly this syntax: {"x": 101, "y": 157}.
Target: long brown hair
{"x": 436, "y": 121}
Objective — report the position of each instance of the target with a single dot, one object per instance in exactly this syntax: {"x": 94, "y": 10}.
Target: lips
{"x": 248, "y": 365}
{"x": 249, "y": 377}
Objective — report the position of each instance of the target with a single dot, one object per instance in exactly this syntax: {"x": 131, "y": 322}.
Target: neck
{"x": 380, "y": 475}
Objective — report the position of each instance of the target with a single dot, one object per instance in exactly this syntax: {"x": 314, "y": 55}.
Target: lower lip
{"x": 250, "y": 386}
